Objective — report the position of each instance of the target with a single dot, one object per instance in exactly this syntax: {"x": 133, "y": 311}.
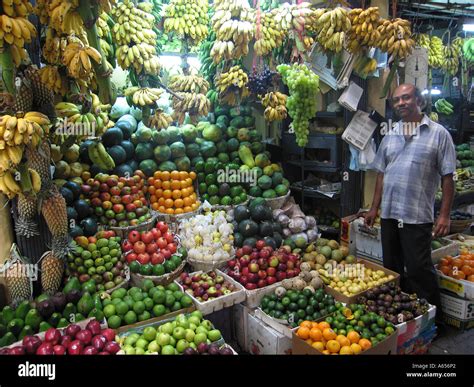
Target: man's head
{"x": 407, "y": 102}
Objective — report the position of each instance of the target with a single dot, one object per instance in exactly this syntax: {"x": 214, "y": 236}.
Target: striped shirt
{"x": 412, "y": 167}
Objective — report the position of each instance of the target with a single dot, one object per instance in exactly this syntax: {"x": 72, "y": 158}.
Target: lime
{"x": 139, "y": 307}
{"x": 147, "y": 285}
{"x": 186, "y": 301}
{"x": 212, "y": 190}
{"x": 137, "y": 296}
{"x": 210, "y": 180}
{"x": 148, "y": 303}
{"x": 159, "y": 297}
{"x": 159, "y": 310}
{"x": 202, "y": 188}
{"x": 114, "y": 322}
{"x": 122, "y": 308}
{"x": 144, "y": 316}
{"x": 170, "y": 300}
{"x": 158, "y": 270}
{"x": 109, "y": 310}
{"x": 130, "y": 317}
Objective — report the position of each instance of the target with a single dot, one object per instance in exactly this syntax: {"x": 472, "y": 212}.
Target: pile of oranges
{"x": 173, "y": 192}
{"x": 460, "y": 267}
{"x": 321, "y": 337}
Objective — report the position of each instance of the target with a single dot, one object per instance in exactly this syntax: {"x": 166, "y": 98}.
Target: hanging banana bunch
{"x": 395, "y": 37}
{"x": 232, "y": 85}
{"x": 275, "y": 106}
{"x": 144, "y": 96}
{"x": 363, "y": 32}
{"x": 451, "y": 53}
{"x": 267, "y": 35}
{"x": 160, "y": 120}
{"x": 189, "y": 84}
{"x": 77, "y": 57}
{"x": 332, "y": 28}
{"x": 104, "y": 25}
{"x": 51, "y": 76}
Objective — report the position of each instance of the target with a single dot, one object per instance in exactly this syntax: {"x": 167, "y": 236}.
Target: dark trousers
{"x": 409, "y": 246}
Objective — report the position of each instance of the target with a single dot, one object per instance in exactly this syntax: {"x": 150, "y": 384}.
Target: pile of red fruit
{"x": 206, "y": 286}
{"x": 118, "y": 201}
{"x": 261, "y": 266}
{"x": 93, "y": 340}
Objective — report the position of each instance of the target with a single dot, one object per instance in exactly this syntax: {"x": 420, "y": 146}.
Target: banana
{"x": 107, "y": 160}
{"x": 35, "y": 180}
{"x": 93, "y": 153}
{"x": 10, "y": 183}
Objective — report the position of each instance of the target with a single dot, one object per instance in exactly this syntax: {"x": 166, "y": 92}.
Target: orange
{"x": 178, "y": 211}
{"x": 444, "y": 261}
{"x": 309, "y": 341}
{"x": 153, "y": 199}
{"x": 187, "y": 209}
{"x": 193, "y": 195}
{"x": 346, "y": 350}
{"x": 343, "y": 340}
{"x": 467, "y": 270}
{"x": 329, "y": 334}
{"x": 159, "y": 193}
{"x": 162, "y": 209}
{"x": 446, "y": 270}
{"x": 166, "y": 185}
{"x": 161, "y": 201}
{"x": 178, "y": 203}
{"x": 176, "y": 194}
{"x": 169, "y": 203}
{"x": 167, "y": 194}
{"x": 195, "y": 206}
{"x": 151, "y": 190}
{"x": 183, "y": 184}
{"x": 187, "y": 202}
{"x": 183, "y": 175}
{"x": 470, "y": 278}
{"x": 458, "y": 262}
{"x": 165, "y": 175}
{"x": 318, "y": 345}
{"x": 169, "y": 211}
{"x": 356, "y": 348}
{"x": 323, "y": 325}
{"x": 353, "y": 336}
{"x": 459, "y": 275}
{"x": 333, "y": 346}
{"x": 316, "y": 334}
{"x": 150, "y": 181}
{"x": 174, "y": 175}
{"x": 185, "y": 193}
{"x": 326, "y": 352}
{"x": 189, "y": 181}
{"x": 155, "y": 206}
{"x": 157, "y": 175}
{"x": 365, "y": 344}
{"x": 303, "y": 333}
{"x": 175, "y": 184}
{"x": 192, "y": 175}
{"x": 306, "y": 324}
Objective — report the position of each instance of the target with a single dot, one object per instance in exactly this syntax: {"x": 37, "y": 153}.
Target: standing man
{"x": 411, "y": 160}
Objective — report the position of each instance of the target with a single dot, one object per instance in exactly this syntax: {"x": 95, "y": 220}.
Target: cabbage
{"x": 283, "y": 219}
{"x": 310, "y": 221}
{"x": 297, "y": 225}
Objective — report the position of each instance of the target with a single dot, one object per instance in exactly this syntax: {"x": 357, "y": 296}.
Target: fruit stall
{"x": 186, "y": 177}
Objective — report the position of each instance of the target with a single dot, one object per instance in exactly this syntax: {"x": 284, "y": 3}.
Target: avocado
{"x": 89, "y": 286}
{"x": 69, "y": 310}
{"x": 54, "y": 319}
{"x": 8, "y": 339}
{"x": 33, "y": 319}
{"x": 63, "y": 323}
{"x": 73, "y": 283}
{"x": 15, "y": 326}
{"x": 85, "y": 304}
{"x": 26, "y": 331}
{"x": 44, "y": 326}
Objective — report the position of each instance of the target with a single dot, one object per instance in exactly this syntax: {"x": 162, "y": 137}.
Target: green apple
{"x": 181, "y": 345}
{"x": 208, "y": 325}
{"x": 201, "y": 329}
{"x": 154, "y": 347}
{"x": 193, "y": 326}
{"x": 214, "y": 335}
{"x": 193, "y": 346}
{"x": 198, "y": 314}
{"x": 163, "y": 339}
{"x": 130, "y": 351}
{"x": 183, "y": 324}
{"x": 200, "y": 338}
{"x": 167, "y": 328}
{"x": 173, "y": 324}
{"x": 179, "y": 333}
{"x": 149, "y": 333}
{"x": 139, "y": 351}
{"x": 194, "y": 320}
{"x": 132, "y": 339}
{"x": 172, "y": 341}
{"x": 141, "y": 343}
{"x": 167, "y": 350}
{"x": 189, "y": 335}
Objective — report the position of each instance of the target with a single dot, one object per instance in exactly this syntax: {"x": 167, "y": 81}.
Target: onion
{"x": 297, "y": 225}
{"x": 283, "y": 219}
{"x": 277, "y": 213}
{"x": 310, "y": 221}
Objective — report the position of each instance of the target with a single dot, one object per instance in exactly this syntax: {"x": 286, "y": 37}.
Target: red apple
{"x": 245, "y": 271}
{"x": 239, "y": 252}
{"x": 247, "y": 250}
{"x": 271, "y": 271}
{"x": 115, "y": 191}
{"x": 290, "y": 273}
{"x": 274, "y": 262}
{"x": 231, "y": 263}
{"x": 147, "y": 237}
{"x": 172, "y": 248}
{"x": 143, "y": 258}
{"x": 162, "y": 226}
{"x": 52, "y": 336}
{"x": 156, "y": 233}
{"x": 253, "y": 267}
{"x": 282, "y": 267}
{"x": 105, "y": 197}
{"x": 130, "y": 207}
{"x": 262, "y": 283}
{"x": 281, "y": 275}
{"x": 162, "y": 243}
{"x": 290, "y": 265}
{"x": 107, "y": 205}
{"x": 127, "y": 246}
{"x": 271, "y": 280}
{"x": 244, "y": 280}
{"x": 139, "y": 247}
{"x": 104, "y": 187}
{"x": 118, "y": 208}
{"x": 262, "y": 263}
{"x": 244, "y": 261}
{"x": 254, "y": 255}
{"x": 151, "y": 248}
{"x": 250, "y": 286}
{"x": 131, "y": 257}
{"x": 96, "y": 202}
{"x": 169, "y": 237}
{"x": 264, "y": 254}
{"x": 133, "y": 236}
{"x": 116, "y": 199}
{"x": 166, "y": 253}
{"x": 157, "y": 258}
{"x": 59, "y": 350}
{"x": 260, "y": 244}
{"x": 253, "y": 277}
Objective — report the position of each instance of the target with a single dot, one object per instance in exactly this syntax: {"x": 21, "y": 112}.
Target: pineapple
{"x": 52, "y": 270}
{"x": 43, "y": 96}
{"x": 18, "y": 283}
{"x": 27, "y": 209}
{"x": 55, "y": 213}
{"x": 24, "y": 97}
{"x": 39, "y": 160}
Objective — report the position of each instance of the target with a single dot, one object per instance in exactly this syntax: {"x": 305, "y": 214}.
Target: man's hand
{"x": 369, "y": 217}
{"x": 441, "y": 226}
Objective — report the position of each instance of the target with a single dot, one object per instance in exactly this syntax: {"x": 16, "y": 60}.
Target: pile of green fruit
{"x": 296, "y": 306}
{"x": 270, "y": 181}
{"x": 326, "y": 217}
{"x": 99, "y": 259}
{"x": 173, "y": 337}
{"x": 126, "y": 307}
{"x": 465, "y": 155}
{"x": 254, "y": 222}
{"x": 72, "y": 305}
{"x": 354, "y": 317}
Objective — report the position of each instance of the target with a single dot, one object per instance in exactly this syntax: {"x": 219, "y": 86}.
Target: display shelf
{"x": 313, "y": 194}
{"x": 315, "y": 166}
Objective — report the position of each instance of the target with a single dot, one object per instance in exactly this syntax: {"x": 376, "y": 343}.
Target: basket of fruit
{"x": 460, "y": 221}
{"x": 275, "y": 203}
{"x": 155, "y": 254}
{"x": 145, "y": 226}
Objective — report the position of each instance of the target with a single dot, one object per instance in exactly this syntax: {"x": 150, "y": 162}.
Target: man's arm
{"x": 442, "y": 223}
{"x": 372, "y": 214}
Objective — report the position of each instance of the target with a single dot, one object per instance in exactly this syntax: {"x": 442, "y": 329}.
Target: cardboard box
{"x": 264, "y": 340}
{"x": 353, "y": 299}
{"x": 368, "y": 240}
{"x": 385, "y": 347}
{"x": 413, "y": 328}
{"x": 450, "y": 247}
{"x": 240, "y": 315}
{"x": 255, "y": 296}
{"x": 418, "y": 345}
{"x": 462, "y": 288}
{"x": 459, "y": 308}
{"x": 347, "y": 232}
{"x": 279, "y": 325}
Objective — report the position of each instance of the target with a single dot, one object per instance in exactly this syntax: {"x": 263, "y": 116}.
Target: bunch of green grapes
{"x": 301, "y": 104}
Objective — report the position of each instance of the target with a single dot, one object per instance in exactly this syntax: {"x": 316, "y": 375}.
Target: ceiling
{"x": 436, "y": 10}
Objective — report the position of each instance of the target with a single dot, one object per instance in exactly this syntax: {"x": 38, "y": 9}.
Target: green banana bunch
{"x": 213, "y": 97}
{"x": 208, "y": 67}
{"x": 444, "y": 107}
{"x": 99, "y": 156}
{"x": 468, "y": 49}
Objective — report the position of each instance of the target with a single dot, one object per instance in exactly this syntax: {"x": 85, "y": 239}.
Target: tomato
{"x": 147, "y": 237}
{"x": 133, "y": 236}
{"x": 162, "y": 226}
{"x": 151, "y": 248}
{"x": 139, "y": 247}
{"x": 162, "y": 243}
{"x": 172, "y": 248}
{"x": 169, "y": 237}
{"x": 131, "y": 257}
{"x": 157, "y": 258}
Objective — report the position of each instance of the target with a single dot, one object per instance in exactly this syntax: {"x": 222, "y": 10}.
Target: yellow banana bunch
{"x": 18, "y": 55}
{"x": 436, "y": 52}
{"x": 188, "y": 19}
{"x": 54, "y": 47}
{"x": 106, "y": 5}
{"x": 275, "y": 106}
{"x": 53, "y": 79}
{"x": 422, "y": 40}
{"x": 160, "y": 120}
{"x": 17, "y": 131}
{"x": 77, "y": 57}
{"x": 232, "y": 85}
{"x": 268, "y": 35}
{"x": 144, "y": 96}
{"x": 451, "y": 54}
{"x": 16, "y": 8}
{"x": 189, "y": 83}
{"x": 9, "y": 186}
{"x": 365, "y": 66}
{"x": 332, "y": 27}
{"x": 363, "y": 32}
{"x": 234, "y": 27}
{"x": 16, "y": 31}
{"x": 434, "y": 116}
{"x": 134, "y": 35}
{"x": 297, "y": 17}
{"x": 192, "y": 103}
{"x": 395, "y": 37}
